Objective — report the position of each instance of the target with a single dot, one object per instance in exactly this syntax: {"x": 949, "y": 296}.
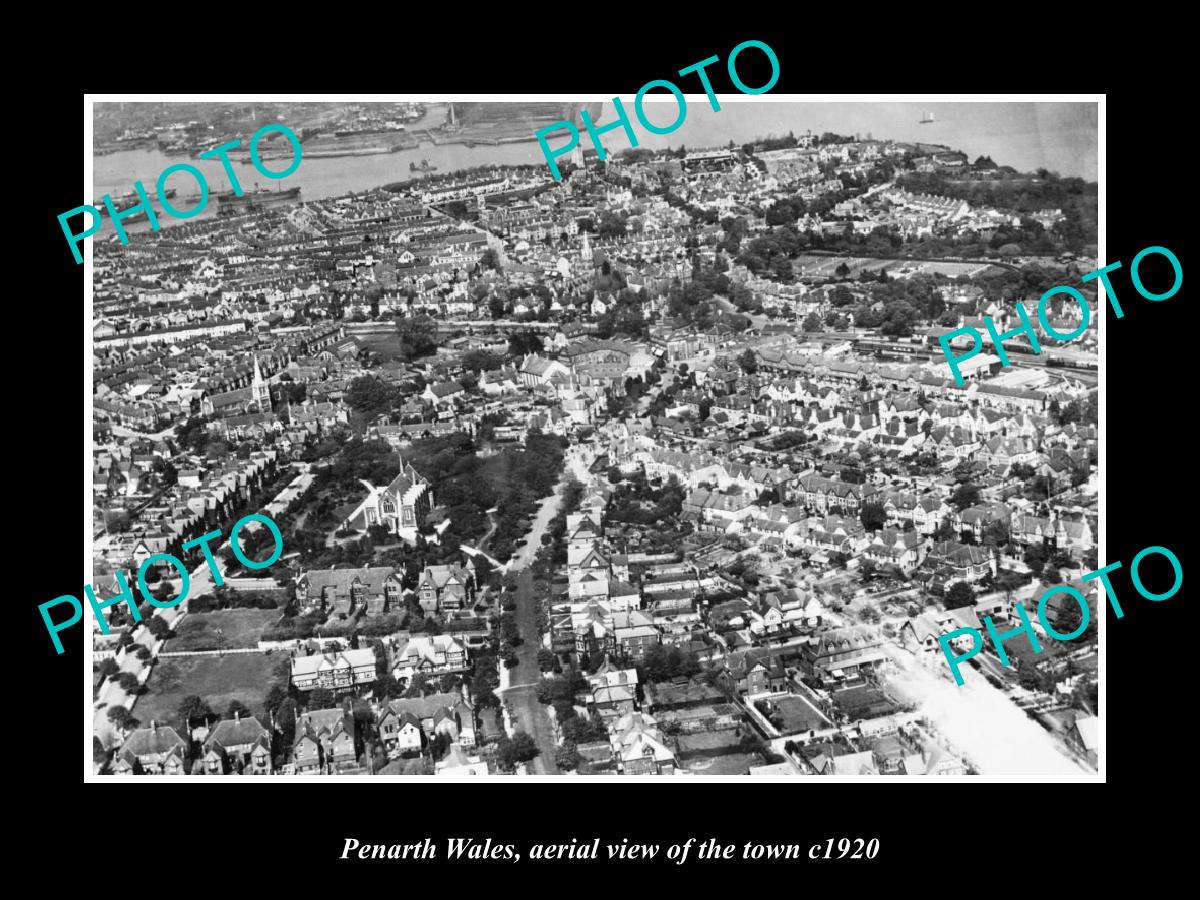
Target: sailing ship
{"x": 927, "y": 120}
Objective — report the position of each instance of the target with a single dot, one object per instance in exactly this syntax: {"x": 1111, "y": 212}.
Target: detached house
{"x": 638, "y": 746}
{"x": 400, "y": 732}
{"x": 407, "y": 724}
{"x": 237, "y": 746}
{"x": 157, "y": 750}
{"x": 449, "y": 587}
{"x": 757, "y": 673}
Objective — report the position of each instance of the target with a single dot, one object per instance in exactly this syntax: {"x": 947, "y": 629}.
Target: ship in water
{"x": 423, "y": 167}
{"x": 927, "y": 120}
{"x": 251, "y": 201}
{"x": 130, "y": 200}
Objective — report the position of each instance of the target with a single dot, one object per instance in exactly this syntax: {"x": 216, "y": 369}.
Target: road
{"x": 982, "y": 722}
{"x": 529, "y": 715}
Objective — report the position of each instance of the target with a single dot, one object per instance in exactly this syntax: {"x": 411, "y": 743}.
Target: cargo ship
{"x": 259, "y": 198}
{"x": 127, "y": 201}
{"x": 423, "y": 167}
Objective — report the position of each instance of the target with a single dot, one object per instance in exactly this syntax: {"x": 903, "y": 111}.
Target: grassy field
{"x": 798, "y": 716}
{"x": 217, "y": 679}
{"x": 239, "y": 628}
{"x": 386, "y": 345}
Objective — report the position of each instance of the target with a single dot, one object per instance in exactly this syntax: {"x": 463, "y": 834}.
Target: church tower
{"x": 260, "y": 391}
{"x": 585, "y": 252}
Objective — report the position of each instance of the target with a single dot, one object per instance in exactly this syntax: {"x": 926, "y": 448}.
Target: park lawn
{"x": 240, "y": 629}
{"x": 217, "y": 679}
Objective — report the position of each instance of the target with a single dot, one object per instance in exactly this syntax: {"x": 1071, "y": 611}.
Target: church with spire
{"x": 253, "y": 398}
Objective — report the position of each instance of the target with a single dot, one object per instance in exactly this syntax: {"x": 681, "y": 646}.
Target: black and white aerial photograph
{"x": 725, "y": 455}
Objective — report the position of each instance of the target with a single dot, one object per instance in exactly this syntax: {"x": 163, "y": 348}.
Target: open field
{"x": 239, "y": 628}
{"x": 217, "y": 679}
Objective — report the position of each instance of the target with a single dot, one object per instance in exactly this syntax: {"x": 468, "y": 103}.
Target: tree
{"x": 121, "y": 718}
{"x": 965, "y": 495}
{"x": 1035, "y": 558}
{"x": 520, "y": 748}
{"x": 748, "y": 361}
{"x": 438, "y": 745}
{"x": 108, "y": 668}
{"x": 193, "y": 708}
{"x": 567, "y": 757}
{"x": 371, "y": 396}
{"x": 546, "y": 659}
{"x": 385, "y": 687}
{"x": 873, "y": 516}
{"x": 945, "y": 531}
{"x": 274, "y": 699}
{"x": 285, "y": 721}
{"x": 995, "y": 534}
{"x": 128, "y": 682}
{"x": 481, "y": 361}
{"x": 1028, "y": 676}
{"x": 490, "y": 260}
{"x": 496, "y": 306}
{"x": 157, "y": 626}
{"x": 812, "y": 323}
{"x": 238, "y": 708}
{"x": 418, "y": 336}
{"x": 1067, "y": 616}
{"x": 960, "y": 594}
{"x": 417, "y": 687}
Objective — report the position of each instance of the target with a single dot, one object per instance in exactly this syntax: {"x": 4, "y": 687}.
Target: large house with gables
{"x": 347, "y": 591}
